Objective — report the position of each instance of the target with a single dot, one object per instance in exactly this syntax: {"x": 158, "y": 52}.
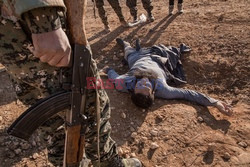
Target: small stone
{"x": 3, "y": 22}
{"x": 1, "y": 118}
{"x": 115, "y": 58}
{"x": 153, "y": 132}
{"x": 106, "y": 61}
{"x": 120, "y": 150}
{"x": 121, "y": 54}
{"x": 226, "y": 156}
{"x": 144, "y": 138}
{"x": 133, "y": 155}
{"x": 35, "y": 156}
{"x": 18, "y": 151}
{"x": 127, "y": 156}
{"x": 154, "y": 146}
{"x": 200, "y": 119}
{"x": 33, "y": 143}
{"x": 132, "y": 129}
{"x": 243, "y": 144}
{"x": 143, "y": 110}
{"x": 211, "y": 147}
{"x": 25, "y": 146}
{"x": 133, "y": 135}
{"x": 16, "y": 144}
{"x": 123, "y": 115}
{"x": 38, "y": 138}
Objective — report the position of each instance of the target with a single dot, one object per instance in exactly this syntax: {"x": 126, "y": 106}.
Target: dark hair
{"x": 141, "y": 100}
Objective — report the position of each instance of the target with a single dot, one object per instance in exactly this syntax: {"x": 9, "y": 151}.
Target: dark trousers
{"x": 132, "y": 5}
{"x": 171, "y": 2}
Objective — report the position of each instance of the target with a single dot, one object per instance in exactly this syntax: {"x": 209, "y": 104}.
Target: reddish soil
{"x": 218, "y": 31}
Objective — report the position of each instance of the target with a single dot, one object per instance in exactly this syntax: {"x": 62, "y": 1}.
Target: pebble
{"x": 25, "y": 146}
{"x": 16, "y": 144}
{"x": 154, "y": 146}
{"x": 211, "y": 147}
{"x": 133, "y": 155}
{"x": 133, "y": 135}
{"x": 35, "y": 156}
{"x": 123, "y": 115}
{"x": 1, "y": 118}
{"x": 226, "y": 156}
{"x": 3, "y": 22}
{"x": 144, "y": 138}
{"x": 132, "y": 129}
{"x": 243, "y": 144}
{"x": 115, "y": 58}
{"x": 121, "y": 54}
{"x": 153, "y": 132}
{"x": 18, "y": 151}
{"x": 200, "y": 119}
{"x": 38, "y": 138}
{"x": 33, "y": 143}
{"x": 120, "y": 150}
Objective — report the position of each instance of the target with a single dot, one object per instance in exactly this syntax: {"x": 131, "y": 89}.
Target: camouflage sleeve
{"x": 43, "y": 19}
{"x": 22, "y": 6}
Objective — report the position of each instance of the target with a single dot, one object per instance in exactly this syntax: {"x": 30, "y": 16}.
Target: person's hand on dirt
{"x": 52, "y": 48}
{"x": 106, "y": 69}
{"x": 224, "y": 108}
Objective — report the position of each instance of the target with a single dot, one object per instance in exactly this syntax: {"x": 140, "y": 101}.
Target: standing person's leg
{"x": 115, "y": 4}
{"x": 102, "y": 14}
{"x": 171, "y": 7}
{"x": 132, "y": 5}
{"x": 180, "y": 1}
{"x": 180, "y": 7}
{"x": 147, "y": 5}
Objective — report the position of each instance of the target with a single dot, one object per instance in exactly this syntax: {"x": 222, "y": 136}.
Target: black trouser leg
{"x": 180, "y": 1}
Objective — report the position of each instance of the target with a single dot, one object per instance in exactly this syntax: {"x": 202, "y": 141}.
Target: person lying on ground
{"x": 147, "y": 79}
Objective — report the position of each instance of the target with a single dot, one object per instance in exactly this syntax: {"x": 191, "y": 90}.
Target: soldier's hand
{"x": 52, "y": 48}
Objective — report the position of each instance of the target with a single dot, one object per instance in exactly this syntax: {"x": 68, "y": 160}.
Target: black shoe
{"x": 120, "y": 42}
{"x": 137, "y": 45}
{"x": 151, "y": 17}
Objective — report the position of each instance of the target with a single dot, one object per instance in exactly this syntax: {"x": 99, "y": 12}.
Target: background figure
{"x": 147, "y": 5}
{"x": 103, "y": 15}
{"x": 171, "y": 6}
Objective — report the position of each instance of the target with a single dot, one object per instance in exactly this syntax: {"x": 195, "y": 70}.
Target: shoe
{"x": 107, "y": 28}
{"x": 137, "y": 45}
{"x": 120, "y": 42}
{"x": 171, "y": 9}
{"x": 180, "y": 9}
{"x": 135, "y": 18}
{"x": 117, "y": 161}
{"x": 151, "y": 17}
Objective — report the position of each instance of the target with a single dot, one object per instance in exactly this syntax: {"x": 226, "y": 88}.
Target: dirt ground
{"x": 172, "y": 132}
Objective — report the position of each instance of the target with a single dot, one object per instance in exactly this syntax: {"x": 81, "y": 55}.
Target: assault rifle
{"x": 73, "y": 99}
